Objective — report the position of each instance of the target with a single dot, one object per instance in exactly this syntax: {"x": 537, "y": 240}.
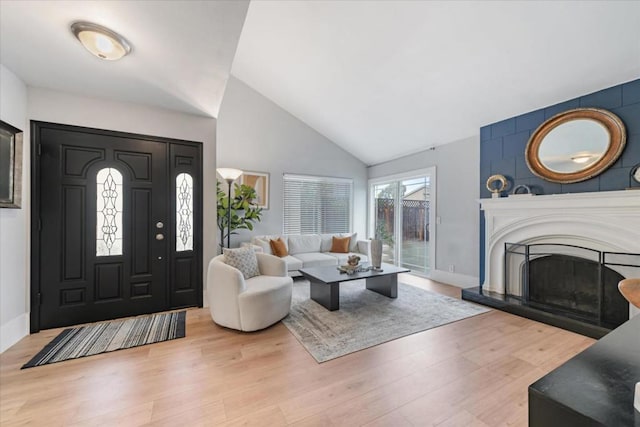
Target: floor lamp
{"x": 229, "y": 175}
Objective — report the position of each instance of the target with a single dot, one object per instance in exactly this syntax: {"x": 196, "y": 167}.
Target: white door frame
{"x": 431, "y": 173}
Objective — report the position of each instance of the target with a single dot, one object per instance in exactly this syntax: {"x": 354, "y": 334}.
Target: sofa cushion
{"x": 316, "y": 259}
{"x": 244, "y": 259}
{"x": 327, "y": 241}
{"x": 293, "y": 263}
{"x": 278, "y": 247}
{"x": 340, "y": 245}
{"x": 266, "y": 239}
{"x": 305, "y": 243}
{"x": 342, "y": 258}
{"x": 264, "y": 244}
{"x": 353, "y": 244}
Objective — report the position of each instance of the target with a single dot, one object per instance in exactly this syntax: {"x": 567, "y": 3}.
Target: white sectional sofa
{"x": 313, "y": 250}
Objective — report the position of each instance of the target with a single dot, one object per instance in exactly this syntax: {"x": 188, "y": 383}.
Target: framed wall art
{"x": 259, "y": 181}
{"x": 10, "y": 166}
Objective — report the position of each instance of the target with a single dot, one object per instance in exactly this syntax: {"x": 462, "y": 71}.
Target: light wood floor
{"x": 470, "y": 373}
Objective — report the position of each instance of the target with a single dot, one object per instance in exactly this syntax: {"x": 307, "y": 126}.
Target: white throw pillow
{"x": 353, "y": 244}
{"x": 327, "y": 241}
{"x": 244, "y": 259}
{"x": 264, "y": 244}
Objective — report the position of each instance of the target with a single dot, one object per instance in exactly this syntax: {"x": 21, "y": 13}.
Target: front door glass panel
{"x": 184, "y": 212}
{"x": 109, "y": 212}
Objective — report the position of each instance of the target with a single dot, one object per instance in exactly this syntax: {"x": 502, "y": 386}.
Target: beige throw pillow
{"x": 244, "y": 259}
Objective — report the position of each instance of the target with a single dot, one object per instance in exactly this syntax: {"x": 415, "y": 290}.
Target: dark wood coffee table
{"x": 325, "y": 283}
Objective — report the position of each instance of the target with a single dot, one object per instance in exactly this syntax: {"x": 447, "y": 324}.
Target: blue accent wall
{"x": 502, "y": 146}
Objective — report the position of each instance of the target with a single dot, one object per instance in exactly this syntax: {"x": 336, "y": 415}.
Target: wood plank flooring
{"x": 474, "y": 372}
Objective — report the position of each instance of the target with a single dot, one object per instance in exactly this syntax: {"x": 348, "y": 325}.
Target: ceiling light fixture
{"x": 101, "y": 41}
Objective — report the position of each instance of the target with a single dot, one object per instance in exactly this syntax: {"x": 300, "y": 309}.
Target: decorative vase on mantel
{"x": 376, "y": 253}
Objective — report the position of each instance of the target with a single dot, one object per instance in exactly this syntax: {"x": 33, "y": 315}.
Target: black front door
{"x": 117, "y": 218}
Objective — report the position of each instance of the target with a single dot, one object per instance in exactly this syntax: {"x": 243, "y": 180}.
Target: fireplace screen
{"x": 573, "y": 281}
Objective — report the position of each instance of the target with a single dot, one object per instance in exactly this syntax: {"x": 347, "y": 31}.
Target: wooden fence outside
{"x": 415, "y": 218}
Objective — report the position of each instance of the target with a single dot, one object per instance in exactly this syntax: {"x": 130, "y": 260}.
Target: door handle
{"x": 159, "y": 224}
{"x": 159, "y": 236}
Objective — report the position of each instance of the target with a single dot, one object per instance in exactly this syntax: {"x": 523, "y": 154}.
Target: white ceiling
{"x": 386, "y": 79}
{"x": 182, "y": 51}
{"x": 381, "y": 79}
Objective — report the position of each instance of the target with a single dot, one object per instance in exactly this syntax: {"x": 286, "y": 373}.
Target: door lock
{"x": 159, "y": 224}
{"x": 159, "y": 236}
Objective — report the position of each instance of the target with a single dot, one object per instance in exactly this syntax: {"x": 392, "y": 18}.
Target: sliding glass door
{"x": 402, "y": 211}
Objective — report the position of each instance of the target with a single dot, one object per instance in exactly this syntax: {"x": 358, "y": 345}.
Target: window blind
{"x": 314, "y": 204}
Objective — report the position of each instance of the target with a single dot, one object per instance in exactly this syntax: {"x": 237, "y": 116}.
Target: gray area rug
{"x": 115, "y": 335}
{"x": 366, "y": 318}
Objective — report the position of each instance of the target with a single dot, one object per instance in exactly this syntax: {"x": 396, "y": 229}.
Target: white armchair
{"x": 252, "y": 304}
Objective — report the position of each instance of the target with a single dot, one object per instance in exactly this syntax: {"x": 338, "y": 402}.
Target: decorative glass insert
{"x": 184, "y": 212}
{"x": 109, "y": 212}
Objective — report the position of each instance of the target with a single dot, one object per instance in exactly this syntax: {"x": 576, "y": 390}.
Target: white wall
{"x": 257, "y": 135}
{"x": 14, "y": 317}
{"x": 458, "y": 177}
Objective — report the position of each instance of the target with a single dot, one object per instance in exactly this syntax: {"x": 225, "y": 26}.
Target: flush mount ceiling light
{"x": 101, "y": 41}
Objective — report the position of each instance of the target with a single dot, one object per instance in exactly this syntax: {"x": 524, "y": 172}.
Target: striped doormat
{"x": 104, "y": 337}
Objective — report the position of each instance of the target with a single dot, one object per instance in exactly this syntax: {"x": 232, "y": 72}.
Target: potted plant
{"x": 238, "y": 212}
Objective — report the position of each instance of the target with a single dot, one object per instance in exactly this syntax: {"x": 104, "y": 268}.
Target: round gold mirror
{"x": 575, "y": 145}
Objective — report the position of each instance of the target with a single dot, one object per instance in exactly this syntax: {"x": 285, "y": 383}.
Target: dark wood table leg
{"x": 384, "y": 285}
{"x": 326, "y": 294}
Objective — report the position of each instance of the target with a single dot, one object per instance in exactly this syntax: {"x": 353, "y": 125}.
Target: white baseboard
{"x": 455, "y": 279}
{"x": 13, "y": 331}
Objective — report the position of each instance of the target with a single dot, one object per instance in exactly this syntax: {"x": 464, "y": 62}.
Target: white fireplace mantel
{"x": 604, "y": 221}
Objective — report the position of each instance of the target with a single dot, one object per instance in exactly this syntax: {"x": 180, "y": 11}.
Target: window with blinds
{"x": 315, "y": 204}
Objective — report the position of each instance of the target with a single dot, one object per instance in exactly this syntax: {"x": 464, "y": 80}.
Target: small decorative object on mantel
{"x": 634, "y": 178}
{"x": 497, "y": 184}
{"x": 521, "y": 190}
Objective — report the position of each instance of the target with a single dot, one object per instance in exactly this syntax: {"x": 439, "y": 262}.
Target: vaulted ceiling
{"x": 385, "y": 79}
{"x": 381, "y": 79}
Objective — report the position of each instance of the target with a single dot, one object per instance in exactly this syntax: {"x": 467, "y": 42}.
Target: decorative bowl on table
{"x": 352, "y": 265}
{"x": 348, "y": 269}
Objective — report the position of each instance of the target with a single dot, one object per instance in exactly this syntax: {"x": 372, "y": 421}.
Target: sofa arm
{"x": 364, "y": 247}
{"x": 224, "y": 285}
{"x": 270, "y": 265}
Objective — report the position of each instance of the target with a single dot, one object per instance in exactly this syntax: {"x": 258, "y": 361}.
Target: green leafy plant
{"x": 382, "y": 233}
{"x": 244, "y": 210}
